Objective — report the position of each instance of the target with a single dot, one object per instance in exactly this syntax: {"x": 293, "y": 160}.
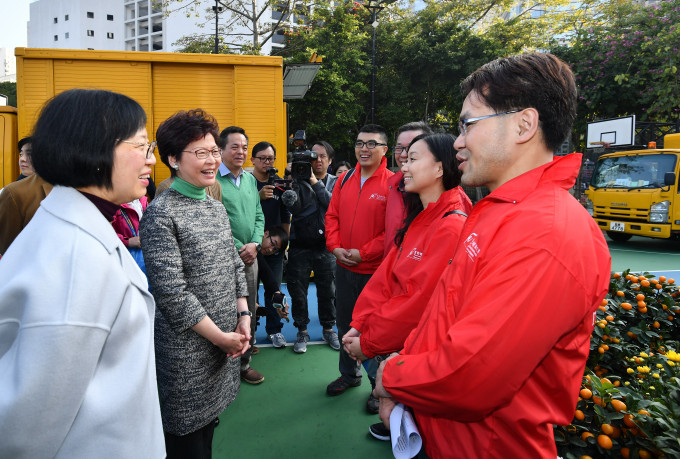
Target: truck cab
{"x": 636, "y": 192}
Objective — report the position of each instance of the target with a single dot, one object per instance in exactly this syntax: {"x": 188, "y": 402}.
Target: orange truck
{"x": 246, "y": 91}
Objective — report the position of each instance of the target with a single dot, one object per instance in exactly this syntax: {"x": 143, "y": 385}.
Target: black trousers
{"x": 196, "y": 445}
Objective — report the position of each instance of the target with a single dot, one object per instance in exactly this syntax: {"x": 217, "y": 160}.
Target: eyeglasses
{"x": 463, "y": 125}
{"x": 265, "y": 159}
{"x": 398, "y": 149}
{"x": 371, "y": 144}
{"x": 274, "y": 246}
{"x": 149, "y": 146}
{"x": 202, "y": 153}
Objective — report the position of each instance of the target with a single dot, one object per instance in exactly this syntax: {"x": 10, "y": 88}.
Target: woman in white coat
{"x": 77, "y": 373}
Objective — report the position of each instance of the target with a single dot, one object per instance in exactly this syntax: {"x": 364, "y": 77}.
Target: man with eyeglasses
{"x": 308, "y": 203}
{"x": 242, "y": 201}
{"x": 20, "y": 200}
{"x": 355, "y": 234}
{"x": 396, "y": 208}
{"x": 499, "y": 354}
{"x": 275, "y": 213}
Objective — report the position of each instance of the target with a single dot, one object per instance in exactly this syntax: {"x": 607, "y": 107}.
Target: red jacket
{"x": 121, "y": 227}
{"x": 499, "y": 352}
{"x": 396, "y": 208}
{"x": 391, "y": 304}
{"x": 355, "y": 218}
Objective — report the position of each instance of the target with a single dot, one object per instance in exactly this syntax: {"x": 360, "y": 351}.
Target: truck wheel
{"x": 618, "y": 237}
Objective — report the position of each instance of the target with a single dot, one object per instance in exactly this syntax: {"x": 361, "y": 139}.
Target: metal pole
{"x": 374, "y": 25}
{"x": 217, "y": 15}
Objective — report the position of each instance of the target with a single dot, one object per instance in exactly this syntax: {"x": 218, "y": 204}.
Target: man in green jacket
{"x": 242, "y": 201}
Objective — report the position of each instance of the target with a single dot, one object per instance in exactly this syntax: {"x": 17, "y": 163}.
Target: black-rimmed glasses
{"x": 371, "y": 144}
{"x": 265, "y": 159}
{"x": 464, "y": 124}
{"x": 276, "y": 249}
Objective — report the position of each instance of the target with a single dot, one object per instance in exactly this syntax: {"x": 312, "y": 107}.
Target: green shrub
{"x": 629, "y": 405}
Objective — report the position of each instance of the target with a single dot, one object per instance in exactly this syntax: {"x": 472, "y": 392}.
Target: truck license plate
{"x": 616, "y": 226}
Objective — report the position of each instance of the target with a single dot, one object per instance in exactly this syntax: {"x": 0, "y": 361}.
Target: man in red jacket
{"x": 355, "y": 234}
{"x": 396, "y": 209}
{"x": 499, "y": 352}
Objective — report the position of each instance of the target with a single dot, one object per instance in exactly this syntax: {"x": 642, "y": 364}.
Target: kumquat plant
{"x": 629, "y": 403}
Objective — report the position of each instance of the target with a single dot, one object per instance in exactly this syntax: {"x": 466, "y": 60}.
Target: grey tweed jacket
{"x": 194, "y": 270}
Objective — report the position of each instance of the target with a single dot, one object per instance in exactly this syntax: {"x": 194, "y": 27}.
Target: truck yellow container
{"x": 245, "y": 91}
{"x": 636, "y": 192}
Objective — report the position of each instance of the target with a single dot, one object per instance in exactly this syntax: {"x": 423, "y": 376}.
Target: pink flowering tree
{"x": 628, "y": 65}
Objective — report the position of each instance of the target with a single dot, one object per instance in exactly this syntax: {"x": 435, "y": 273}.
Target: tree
{"x": 9, "y": 89}
{"x": 252, "y": 15}
{"x": 628, "y": 64}
{"x": 334, "y": 108}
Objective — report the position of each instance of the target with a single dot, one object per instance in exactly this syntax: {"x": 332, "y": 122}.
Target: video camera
{"x": 301, "y": 167}
{"x": 279, "y": 183}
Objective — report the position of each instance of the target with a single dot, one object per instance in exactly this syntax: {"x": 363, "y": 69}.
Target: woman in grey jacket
{"x": 197, "y": 278}
{"x": 77, "y": 373}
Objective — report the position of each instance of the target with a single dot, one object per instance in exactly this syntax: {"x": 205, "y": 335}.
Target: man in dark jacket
{"x": 307, "y": 203}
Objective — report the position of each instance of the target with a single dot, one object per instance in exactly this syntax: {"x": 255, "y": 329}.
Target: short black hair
{"x": 23, "y": 142}
{"x": 175, "y": 133}
{"x": 75, "y": 136}
{"x": 415, "y": 126}
{"x": 533, "y": 80}
{"x": 375, "y": 129}
{"x": 327, "y": 146}
{"x": 275, "y": 231}
{"x": 261, "y": 146}
{"x": 231, "y": 130}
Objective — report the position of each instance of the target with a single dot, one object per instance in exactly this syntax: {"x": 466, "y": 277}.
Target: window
{"x": 56, "y": 20}
{"x": 66, "y": 17}
{"x": 90, "y": 33}
{"x": 109, "y": 35}
{"x": 109, "y": 17}
{"x": 56, "y": 37}
{"x": 66, "y": 35}
{"x": 90, "y": 15}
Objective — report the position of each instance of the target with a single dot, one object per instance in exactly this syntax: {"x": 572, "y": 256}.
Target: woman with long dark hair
{"x": 394, "y": 299}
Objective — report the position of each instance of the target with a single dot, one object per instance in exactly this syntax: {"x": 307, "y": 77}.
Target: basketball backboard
{"x": 613, "y": 132}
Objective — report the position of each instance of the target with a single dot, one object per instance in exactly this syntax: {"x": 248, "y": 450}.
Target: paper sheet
{"x": 406, "y": 441}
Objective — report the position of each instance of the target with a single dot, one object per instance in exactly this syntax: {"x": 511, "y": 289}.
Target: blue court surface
{"x": 289, "y": 331}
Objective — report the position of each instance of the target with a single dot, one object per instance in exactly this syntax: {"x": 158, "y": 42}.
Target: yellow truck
{"x": 246, "y": 91}
{"x": 635, "y": 193}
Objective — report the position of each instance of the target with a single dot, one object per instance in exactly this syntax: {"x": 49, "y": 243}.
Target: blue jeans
{"x": 273, "y": 324}
{"x": 301, "y": 263}
{"x": 350, "y": 285}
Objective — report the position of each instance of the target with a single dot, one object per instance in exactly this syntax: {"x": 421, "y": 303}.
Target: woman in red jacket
{"x": 393, "y": 301}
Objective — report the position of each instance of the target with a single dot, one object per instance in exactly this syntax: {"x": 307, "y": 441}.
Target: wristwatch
{"x": 258, "y": 247}
{"x": 244, "y": 313}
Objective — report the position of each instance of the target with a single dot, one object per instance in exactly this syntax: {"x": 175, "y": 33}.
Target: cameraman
{"x": 275, "y": 213}
{"x": 307, "y": 202}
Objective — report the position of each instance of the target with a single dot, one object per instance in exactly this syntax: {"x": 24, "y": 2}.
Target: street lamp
{"x": 217, "y": 10}
{"x": 374, "y": 6}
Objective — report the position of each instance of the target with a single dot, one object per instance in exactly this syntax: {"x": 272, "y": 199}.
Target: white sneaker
{"x": 278, "y": 340}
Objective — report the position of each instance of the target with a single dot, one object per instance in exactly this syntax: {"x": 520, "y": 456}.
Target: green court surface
{"x": 289, "y": 415}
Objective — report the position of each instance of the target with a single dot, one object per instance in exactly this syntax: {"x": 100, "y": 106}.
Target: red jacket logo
{"x": 414, "y": 254}
{"x": 378, "y": 197}
{"x": 471, "y": 246}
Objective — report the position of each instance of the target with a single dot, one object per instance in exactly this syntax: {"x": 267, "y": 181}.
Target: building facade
{"x": 147, "y": 25}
